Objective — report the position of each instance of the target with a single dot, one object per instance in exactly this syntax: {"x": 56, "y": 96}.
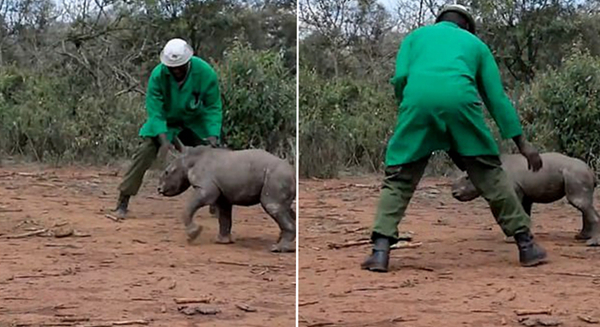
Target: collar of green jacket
{"x": 449, "y": 24}
{"x": 187, "y": 73}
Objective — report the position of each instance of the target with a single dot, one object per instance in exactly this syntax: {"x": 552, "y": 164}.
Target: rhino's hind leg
{"x": 591, "y": 227}
{"x": 580, "y": 194}
{"x": 526, "y": 203}
{"x": 224, "y": 211}
{"x": 586, "y": 231}
{"x": 276, "y": 199}
{"x": 213, "y": 210}
{"x": 594, "y": 240}
{"x": 282, "y": 214}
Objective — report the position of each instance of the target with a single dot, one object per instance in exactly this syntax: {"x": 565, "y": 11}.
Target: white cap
{"x": 461, "y": 10}
{"x": 176, "y": 53}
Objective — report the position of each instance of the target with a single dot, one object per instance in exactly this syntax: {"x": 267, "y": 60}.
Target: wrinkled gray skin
{"x": 224, "y": 178}
{"x": 560, "y": 176}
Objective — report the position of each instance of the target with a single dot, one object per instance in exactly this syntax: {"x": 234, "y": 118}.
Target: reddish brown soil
{"x": 133, "y": 269}
{"x": 464, "y": 274}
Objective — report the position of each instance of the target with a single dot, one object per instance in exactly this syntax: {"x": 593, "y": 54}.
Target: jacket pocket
{"x": 194, "y": 104}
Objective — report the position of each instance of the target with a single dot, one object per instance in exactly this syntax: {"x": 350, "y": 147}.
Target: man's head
{"x": 457, "y": 14}
{"x": 176, "y": 56}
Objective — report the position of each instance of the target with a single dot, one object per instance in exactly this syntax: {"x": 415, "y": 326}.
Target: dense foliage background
{"x": 547, "y": 51}
{"x": 73, "y": 74}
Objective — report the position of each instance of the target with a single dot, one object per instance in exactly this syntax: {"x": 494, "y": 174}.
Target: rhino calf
{"x": 224, "y": 178}
{"x": 560, "y": 176}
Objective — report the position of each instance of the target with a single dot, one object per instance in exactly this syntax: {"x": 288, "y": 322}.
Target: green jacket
{"x": 195, "y": 105}
{"x": 442, "y": 74}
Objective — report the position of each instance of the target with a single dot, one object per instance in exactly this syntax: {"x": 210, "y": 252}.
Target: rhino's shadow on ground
{"x": 261, "y": 244}
{"x": 253, "y": 243}
{"x": 565, "y": 238}
{"x": 555, "y": 237}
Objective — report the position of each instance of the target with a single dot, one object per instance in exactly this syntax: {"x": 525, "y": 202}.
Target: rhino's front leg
{"x": 225, "y": 222}
{"x": 202, "y": 196}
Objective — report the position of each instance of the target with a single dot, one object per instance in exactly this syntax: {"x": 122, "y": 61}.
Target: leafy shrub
{"x": 43, "y": 121}
{"x": 561, "y": 108}
{"x": 259, "y": 97}
{"x": 344, "y": 123}
{"x": 50, "y": 118}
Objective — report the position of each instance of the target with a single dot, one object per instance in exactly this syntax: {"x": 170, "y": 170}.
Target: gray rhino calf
{"x": 224, "y": 178}
{"x": 560, "y": 176}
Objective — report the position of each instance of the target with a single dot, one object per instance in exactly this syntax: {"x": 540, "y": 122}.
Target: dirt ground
{"x": 462, "y": 274}
{"x": 106, "y": 273}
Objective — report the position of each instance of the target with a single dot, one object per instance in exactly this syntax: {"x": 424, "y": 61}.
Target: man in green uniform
{"x": 442, "y": 70}
{"x": 183, "y": 103}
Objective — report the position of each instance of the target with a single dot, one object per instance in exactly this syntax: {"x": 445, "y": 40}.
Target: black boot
{"x": 530, "y": 253}
{"x": 122, "y": 205}
{"x": 379, "y": 259}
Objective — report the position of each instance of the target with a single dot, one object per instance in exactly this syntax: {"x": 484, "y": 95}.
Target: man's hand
{"x": 212, "y": 140}
{"x": 534, "y": 161}
{"x": 165, "y": 145}
{"x": 178, "y": 145}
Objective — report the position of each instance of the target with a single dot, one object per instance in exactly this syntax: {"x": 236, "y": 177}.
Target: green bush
{"x": 41, "y": 120}
{"x": 259, "y": 101}
{"x": 561, "y": 108}
{"x": 344, "y": 123}
{"x": 50, "y": 118}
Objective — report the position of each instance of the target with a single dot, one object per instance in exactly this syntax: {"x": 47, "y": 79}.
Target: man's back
{"x": 443, "y": 61}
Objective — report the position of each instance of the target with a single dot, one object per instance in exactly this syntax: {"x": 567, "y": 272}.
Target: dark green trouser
{"x": 485, "y": 173}
{"x": 143, "y": 159}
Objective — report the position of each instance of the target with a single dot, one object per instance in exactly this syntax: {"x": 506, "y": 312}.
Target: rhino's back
{"x": 552, "y": 162}
{"x": 546, "y": 185}
{"x": 240, "y": 174}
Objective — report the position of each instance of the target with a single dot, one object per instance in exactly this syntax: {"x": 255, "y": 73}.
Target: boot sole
{"x": 534, "y": 263}
{"x": 375, "y": 269}
{"x": 121, "y": 214}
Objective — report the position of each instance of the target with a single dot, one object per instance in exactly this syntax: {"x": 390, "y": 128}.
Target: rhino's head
{"x": 463, "y": 189}
{"x": 174, "y": 179}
